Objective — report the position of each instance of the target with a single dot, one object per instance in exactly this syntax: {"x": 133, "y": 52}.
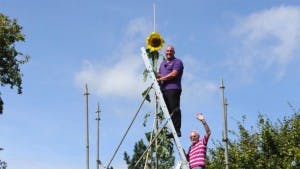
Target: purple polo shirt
{"x": 166, "y": 68}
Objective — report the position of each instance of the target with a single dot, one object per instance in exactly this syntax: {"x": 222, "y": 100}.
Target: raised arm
{"x": 201, "y": 118}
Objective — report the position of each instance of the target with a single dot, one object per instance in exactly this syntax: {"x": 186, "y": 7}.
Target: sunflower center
{"x": 155, "y": 42}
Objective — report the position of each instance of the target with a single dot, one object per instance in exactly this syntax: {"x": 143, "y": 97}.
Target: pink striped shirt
{"x": 197, "y": 153}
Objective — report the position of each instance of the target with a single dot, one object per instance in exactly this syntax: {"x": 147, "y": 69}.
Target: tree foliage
{"x": 271, "y": 145}
{"x": 10, "y": 58}
{"x": 3, "y": 165}
{"x": 139, "y": 148}
{"x": 162, "y": 154}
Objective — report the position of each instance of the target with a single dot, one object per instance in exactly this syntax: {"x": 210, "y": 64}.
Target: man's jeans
{"x": 172, "y": 99}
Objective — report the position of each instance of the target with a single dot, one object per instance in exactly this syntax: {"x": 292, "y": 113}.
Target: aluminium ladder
{"x": 184, "y": 163}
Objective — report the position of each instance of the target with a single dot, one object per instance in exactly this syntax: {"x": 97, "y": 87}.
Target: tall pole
{"x": 98, "y": 121}
{"x": 156, "y": 99}
{"x": 225, "y": 132}
{"x": 226, "y": 135}
{"x": 156, "y": 130}
{"x": 86, "y": 94}
{"x": 154, "y": 18}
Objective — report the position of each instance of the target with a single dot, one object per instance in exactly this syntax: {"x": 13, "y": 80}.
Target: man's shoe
{"x": 178, "y": 133}
{"x": 170, "y": 135}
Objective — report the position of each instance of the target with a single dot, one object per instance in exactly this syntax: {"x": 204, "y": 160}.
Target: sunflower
{"x": 154, "y": 41}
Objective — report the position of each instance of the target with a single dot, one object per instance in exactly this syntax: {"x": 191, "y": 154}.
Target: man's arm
{"x": 157, "y": 75}
{"x": 201, "y": 118}
{"x": 176, "y": 69}
{"x": 170, "y": 76}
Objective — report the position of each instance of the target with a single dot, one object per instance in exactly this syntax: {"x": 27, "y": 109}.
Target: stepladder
{"x": 161, "y": 101}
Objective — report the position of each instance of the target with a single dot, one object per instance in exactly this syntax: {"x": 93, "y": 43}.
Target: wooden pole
{"x": 98, "y": 140}
{"x": 225, "y": 132}
{"x": 86, "y": 94}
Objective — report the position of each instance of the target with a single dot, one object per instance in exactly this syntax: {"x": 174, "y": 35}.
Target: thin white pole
{"x": 156, "y": 130}
{"x": 154, "y": 18}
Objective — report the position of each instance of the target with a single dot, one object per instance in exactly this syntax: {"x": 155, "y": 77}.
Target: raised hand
{"x": 200, "y": 116}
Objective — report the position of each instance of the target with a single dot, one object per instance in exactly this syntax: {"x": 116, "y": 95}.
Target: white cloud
{"x": 269, "y": 40}
{"x": 124, "y": 77}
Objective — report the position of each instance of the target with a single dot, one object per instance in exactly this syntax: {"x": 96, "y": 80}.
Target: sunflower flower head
{"x": 154, "y": 41}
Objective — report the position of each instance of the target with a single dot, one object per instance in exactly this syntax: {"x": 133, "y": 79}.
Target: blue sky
{"x": 253, "y": 46}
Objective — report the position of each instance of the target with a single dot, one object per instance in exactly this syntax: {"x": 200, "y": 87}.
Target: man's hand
{"x": 200, "y": 116}
{"x": 157, "y": 75}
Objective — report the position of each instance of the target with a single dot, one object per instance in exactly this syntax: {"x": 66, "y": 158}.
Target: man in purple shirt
{"x": 169, "y": 77}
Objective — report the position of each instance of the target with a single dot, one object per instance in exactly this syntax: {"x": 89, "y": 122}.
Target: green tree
{"x": 138, "y": 150}
{"x": 162, "y": 154}
{"x": 3, "y": 165}
{"x": 10, "y": 58}
{"x": 269, "y": 146}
